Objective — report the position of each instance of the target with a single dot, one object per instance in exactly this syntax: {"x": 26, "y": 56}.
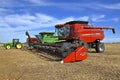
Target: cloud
{"x": 115, "y": 19}
{"x": 2, "y": 10}
{"x": 85, "y": 18}
{"x": 17, "y": 24}
{"x": 39, "y": 2}
{"x": 92, "y": 5}
{"x": 110, "y": 6}
{"x": 97, "y": 17}
{"x": 102, "y": 18}
{"x": 60, "y": 4}
{"x": 26, "y": 21}
{"x": 112, "y": 39}
{"x": 9, "y": 3}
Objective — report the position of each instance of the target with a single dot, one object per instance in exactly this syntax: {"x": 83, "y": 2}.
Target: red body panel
{"x": 84, "y": 32}
{"x": 31, "y": 40}
{"x": 89, "y": 35}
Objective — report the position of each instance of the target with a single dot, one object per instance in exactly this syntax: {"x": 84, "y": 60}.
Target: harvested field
{"x": 27, "y": 65}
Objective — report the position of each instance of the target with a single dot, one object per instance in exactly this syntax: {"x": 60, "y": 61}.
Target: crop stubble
{"x": 26, "y": 65}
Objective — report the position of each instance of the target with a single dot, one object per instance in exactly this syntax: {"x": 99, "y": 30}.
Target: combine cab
{"x": 73, "y": 40}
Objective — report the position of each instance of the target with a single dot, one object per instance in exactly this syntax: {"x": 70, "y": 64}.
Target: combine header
{"x": 73, "y": 40}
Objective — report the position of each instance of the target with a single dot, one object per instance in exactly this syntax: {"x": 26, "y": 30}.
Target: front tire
{"x": 100, "y": 47}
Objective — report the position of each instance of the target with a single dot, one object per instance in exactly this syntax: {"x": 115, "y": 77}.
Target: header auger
{"x": 73, "y": 40}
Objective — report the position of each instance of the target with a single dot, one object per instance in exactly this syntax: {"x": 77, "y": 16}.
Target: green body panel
{"x": 47, "y": 37}
{"x": 50, "y": 39}
{"x": 8, "y": 43}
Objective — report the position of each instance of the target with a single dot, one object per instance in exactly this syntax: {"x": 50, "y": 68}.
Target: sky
{"x": 34, "y": 16}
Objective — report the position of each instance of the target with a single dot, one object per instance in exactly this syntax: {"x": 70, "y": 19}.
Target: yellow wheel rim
{"x": 8, "y": 47}
{"x": 18, "y": 46}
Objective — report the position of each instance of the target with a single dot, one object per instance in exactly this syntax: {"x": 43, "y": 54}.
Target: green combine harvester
{"x": 42, "y": 38}
{"x": 15, "y": 43}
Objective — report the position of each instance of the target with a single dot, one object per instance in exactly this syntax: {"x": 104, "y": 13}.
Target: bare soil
{"x": 28, "y": 65}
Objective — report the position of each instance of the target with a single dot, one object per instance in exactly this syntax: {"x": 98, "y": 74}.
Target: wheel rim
{"x": 8, "y": 46}
{"x": 19, "y": 46}
{"x": 101, "y": 48}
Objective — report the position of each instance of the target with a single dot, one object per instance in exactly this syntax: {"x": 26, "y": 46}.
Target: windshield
{"x": 63, "y": 31}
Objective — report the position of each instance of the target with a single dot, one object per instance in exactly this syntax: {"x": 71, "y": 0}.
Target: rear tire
{"x": 8, "y": 46}
{"x": 100, "y": 47}
{"x": 18, "y": 46}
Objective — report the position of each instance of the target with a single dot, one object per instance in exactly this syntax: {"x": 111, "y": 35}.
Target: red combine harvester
{"x": 75, "y": 38}
{"x": 80, "y": 33}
